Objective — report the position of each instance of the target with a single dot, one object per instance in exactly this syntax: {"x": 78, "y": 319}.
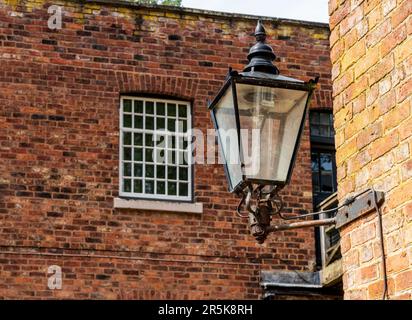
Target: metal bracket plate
{"x": 359, "y": 207}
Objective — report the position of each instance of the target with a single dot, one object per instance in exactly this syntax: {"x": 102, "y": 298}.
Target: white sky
{"x": 309, "y": 10}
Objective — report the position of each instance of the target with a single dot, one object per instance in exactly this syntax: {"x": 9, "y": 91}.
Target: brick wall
{"x": 59, "y": 98}
{"x": 371, "y": 55}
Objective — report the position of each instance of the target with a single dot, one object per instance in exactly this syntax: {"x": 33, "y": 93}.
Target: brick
{"x": 60, "y": 102}
{"x": 397, "y": 263}
{"x": 363, "y": 234}
{"x": 396, "y": 116}
{"x": 368, "y": 273}
{"x": 353, "y": 54}
{"x": 400, "y": 13}
{"x": 378, "y": 33}
{"x": 384, "y": 144}
{"x": 381, "y": 69}
{"x": 369, "y": 135}
{"x": 406, "y": 170}
{"x": 403, "y": 281}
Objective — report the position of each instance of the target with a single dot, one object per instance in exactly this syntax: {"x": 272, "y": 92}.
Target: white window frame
{"x": 143, "y": 195}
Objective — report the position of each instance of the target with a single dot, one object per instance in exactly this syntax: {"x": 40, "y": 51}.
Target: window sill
{"x": 153, "y": 205}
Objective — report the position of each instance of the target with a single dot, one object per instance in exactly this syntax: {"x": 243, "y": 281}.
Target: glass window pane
{"x": 171, "y": 124}
{"x": 160, "y": 108}
{"x": 326, "y": 162}
{"x": 149, "y": 123}
{"x": 315, "y": 182}
{"x": 138, "y": 169}
{"x": 138, "y": 139}
{"x": 138, "y": 154}
{"x": 127, "y": 138}
{"x": 138, "y": 186}
{"x": 149, "y": 155}
{"x": 160, "y": 123}
{"x": 127, "y": 105}
{"x": 149, "y": 187}
{"x": 127, "y": 185}
{"x": 149, "y": 141}
{"x": 326, "y": 182}
{"x": 127, "y": 121}
{"x": 172, "y": 173}
{"x": 149, "y": 107}
{"x": 315, "y": 161}
{"x": 171, "y": 110}
{"x": 138, "y": 122}
{"x": 160, "y": 172}
{"x": 171, "y": 188}
{"x": 325, "y": 119}
{"x": 127, "y": 169}
{"x": 182, "y": 111}
{"x": 183, "y": 173}
{"x": 127, "y": 153}
{"x": 161, "y": 187}
{"x": 183, "y": 189}
{"x": 138, "y": 106}
{"x": 149, "y": 173}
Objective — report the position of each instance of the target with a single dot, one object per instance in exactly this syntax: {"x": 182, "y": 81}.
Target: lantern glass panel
{"x": 270, "y": 120}
{"x": 225, "y": 117}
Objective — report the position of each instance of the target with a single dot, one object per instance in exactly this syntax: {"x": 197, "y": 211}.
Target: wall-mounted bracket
{"x": 360, "y": 206}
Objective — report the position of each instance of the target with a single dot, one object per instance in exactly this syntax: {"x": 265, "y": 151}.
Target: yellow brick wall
{"x": 371, "y": 53}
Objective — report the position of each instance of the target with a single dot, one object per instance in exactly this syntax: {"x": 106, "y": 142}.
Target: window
{"x": 154, "y": 149}
{"x": 324, "y": 182}
{"x": 321, "y": 125}
{"x": 322, "y": 155}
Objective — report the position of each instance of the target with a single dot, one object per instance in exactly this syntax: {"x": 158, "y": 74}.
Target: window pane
{"x": 149, "y": 187}
{"x": 326, "y": 185}
{"x": 149, "y": 141}
{"x": 183, "y": 189}
{"x": 138, "y": 122}
{"x": 149, "y": 107}
{"x": 127, "y": 121}
{"x": 160, "y": 123}
{"x": 149, "y": 171}
{"x": 171, "y": 124}
{"x": 171, "y": 188}
{"x": 138, "y": 186}
{"x": 171, "y": 110}
{"x": 138, "y": 106}
{"x": 182, "y": 111}
{"x": 325, "y": 119}
{"x": 127, "y": 138}
{"x": 149, "y": 155}
{"x": 183, "y": 173}
{"x": 149, "y": 123}
{"x": 326, "y": 162}
{"x": 172, "y": 173}
{"x": 161, "y": 187}
{"x": 138, "y": 169}
{"x": 127, "y": 153}
{"x": 138, "y": 154}
{"x": 127, "y": 105}
{"x": 138, "y": 139}
{"x": 315, "y": 161}
{"x": 127, "y": 185}
{"x": 127, "y": 169}
{"x": 160, "y": 108}
{"x": 161, "y": 172}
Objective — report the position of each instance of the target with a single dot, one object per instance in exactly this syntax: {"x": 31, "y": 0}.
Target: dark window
{"x": 323, "y": 155}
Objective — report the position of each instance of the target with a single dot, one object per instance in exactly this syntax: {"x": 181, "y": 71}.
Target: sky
{"x": 309, "y": 10}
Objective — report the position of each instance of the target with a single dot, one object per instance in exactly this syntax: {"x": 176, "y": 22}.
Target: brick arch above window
{"x": 177, "y": 87}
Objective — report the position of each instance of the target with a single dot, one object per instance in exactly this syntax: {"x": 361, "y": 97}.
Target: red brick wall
{"x": 59, "y": 98}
